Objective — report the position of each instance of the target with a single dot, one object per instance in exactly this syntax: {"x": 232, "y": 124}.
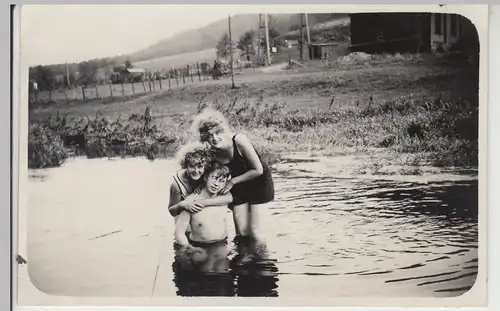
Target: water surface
{"x": 101, "y": 228}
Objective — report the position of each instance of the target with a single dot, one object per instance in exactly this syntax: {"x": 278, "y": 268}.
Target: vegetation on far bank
{"x": 437, "y": 129}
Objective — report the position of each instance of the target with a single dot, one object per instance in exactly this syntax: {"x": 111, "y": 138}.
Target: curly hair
{"x": 193, "y": 152}
{"x": 207, "y": 119}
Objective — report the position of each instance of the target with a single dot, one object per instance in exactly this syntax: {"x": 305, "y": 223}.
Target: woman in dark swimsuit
{"x": 251, "y": 184}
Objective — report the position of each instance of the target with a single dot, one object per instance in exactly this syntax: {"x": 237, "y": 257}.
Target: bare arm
{"x": 181, "y": 226}
{"x": 218, "y": 200}
{"x": 248, "y": 152}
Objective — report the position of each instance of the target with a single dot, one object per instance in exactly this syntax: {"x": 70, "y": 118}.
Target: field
{"x": 416, "y": 111}
{"x": 176, "y": 61}
{"x": 106, "y": 91}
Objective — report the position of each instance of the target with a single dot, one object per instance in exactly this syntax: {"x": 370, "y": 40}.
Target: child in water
{"x": 206, "y": 244}
{"x": 251, "y": 183}
{"x": 194, "y": 158}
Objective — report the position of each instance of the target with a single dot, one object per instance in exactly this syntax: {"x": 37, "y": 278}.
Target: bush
{"x": 45, "y": 148}
{"x": 138, "y": 135}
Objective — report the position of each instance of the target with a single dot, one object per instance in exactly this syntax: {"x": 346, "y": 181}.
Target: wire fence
{"x": 173, "y": 78}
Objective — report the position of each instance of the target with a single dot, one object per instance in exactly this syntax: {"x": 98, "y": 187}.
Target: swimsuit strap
{"x": 181, "y": 186}
{"x": 236, "y": 153}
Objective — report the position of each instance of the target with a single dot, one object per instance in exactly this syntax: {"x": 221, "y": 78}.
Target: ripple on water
{"x": 385, "y": 227}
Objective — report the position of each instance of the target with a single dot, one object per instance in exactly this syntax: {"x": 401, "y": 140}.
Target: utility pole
{"x": 231, "y": 51}
{"x": 308, "y": 35}
{"x": 301, "y": 39}
{"x": 69, "y": 82}
{"x": 307, "y": 29}
{"x": 259, "y": 36}
{"x": 268, "y": 48}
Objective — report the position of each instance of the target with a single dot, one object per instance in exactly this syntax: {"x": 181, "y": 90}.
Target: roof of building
{"x": 136, "y": 70}
{"x": 323, "y": 43}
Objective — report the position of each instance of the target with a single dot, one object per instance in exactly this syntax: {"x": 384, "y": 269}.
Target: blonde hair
{"x": 207, "y": 119}
{"x": 194, "y": 151}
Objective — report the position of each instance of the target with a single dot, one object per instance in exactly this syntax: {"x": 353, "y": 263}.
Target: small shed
{"x": 323, "y": 50}
{"x": 128, "y": 75}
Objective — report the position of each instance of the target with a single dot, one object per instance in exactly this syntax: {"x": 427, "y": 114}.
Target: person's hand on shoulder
{"x": 228, "y": 187}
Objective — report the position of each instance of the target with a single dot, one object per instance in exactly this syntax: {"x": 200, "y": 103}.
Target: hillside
{"x": 206, "y": 38}
{"x": 202, "y": 39}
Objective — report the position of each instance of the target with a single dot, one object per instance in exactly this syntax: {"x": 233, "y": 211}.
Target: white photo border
{"x": 483, "y": 21}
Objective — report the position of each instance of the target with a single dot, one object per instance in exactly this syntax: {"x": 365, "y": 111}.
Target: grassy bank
{"x": 427, "y": 110}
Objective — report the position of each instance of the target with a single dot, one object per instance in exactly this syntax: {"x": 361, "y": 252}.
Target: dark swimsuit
{"x": 207, "y": 244}
{"x": 259, "y": 190}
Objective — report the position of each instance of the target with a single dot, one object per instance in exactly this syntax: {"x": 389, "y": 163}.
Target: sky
{"x": 53, "y": 34}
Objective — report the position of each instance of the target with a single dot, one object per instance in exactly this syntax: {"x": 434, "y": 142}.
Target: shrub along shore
{"x": 440, "y": 133}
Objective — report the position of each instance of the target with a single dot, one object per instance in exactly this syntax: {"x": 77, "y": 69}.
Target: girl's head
{"x": 194, "y": 158}
{"x": 212, "y": 127}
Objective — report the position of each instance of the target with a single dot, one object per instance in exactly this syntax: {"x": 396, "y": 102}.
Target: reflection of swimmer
{"x": 203, "y": 270}
{"x": 205, "y": 257}
{"x": 255, "y": 272}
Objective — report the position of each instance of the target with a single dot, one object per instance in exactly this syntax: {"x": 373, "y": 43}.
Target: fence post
{"x": 169, "y": 86}
{"x": 110, "y": 89}
{"x": 176, "y": 77}
{"x": 149, "y": 83}
{"x": 96, "y": 91}
{"x": 183, "y": 77}
{"x": 144, "y": 86}
{"x": 199, "y": 73}
{"x": 133, "y": 88}
{"x": 161, "y": 86}
{"x": 123, "y": 89}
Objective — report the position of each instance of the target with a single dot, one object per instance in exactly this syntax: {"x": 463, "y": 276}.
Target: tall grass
{"x": 444, "y": 132}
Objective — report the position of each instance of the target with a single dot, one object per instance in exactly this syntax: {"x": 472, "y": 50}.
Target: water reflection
{"x": 223, "y": 270}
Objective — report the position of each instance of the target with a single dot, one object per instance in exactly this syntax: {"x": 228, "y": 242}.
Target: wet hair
{"x": 194, "y": 152}
{"x": 221, "y": 169}
{"x": 206, "y": 120}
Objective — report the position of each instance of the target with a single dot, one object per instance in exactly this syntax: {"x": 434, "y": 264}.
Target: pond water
{"x": 101, "y": 228}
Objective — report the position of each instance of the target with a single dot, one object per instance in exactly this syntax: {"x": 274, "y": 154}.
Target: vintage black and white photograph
{"x": 195, "y": 151}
